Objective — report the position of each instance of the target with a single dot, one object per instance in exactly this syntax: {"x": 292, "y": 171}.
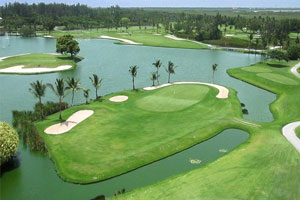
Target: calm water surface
{"x": 36, "y": 177}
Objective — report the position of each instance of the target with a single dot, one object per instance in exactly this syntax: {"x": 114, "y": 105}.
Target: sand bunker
{"x": 20, "y": 69}
{"x": 289, "y": 133}
{"x": 174, "y": 37}
{"x": 294, "y": 70}
{"x": 71, "y": 122}
{"x": 119, "y": 98}
{"x": 48, "y": 36}
{"x": 120, "y": 39}
{"x": 223, "y": 91}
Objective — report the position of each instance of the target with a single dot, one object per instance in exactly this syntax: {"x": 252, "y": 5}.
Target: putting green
{"x": 256, "y": 69}
{"x": 173, "y": 98}
{"x": 278, "y": 78}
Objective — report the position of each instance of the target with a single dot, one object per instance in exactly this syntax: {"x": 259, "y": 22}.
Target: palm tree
{"x": 74, "y": 86}
{"x": 38, "y": 90}
{"x": 96, "y": 83}
{"x": 170, "y": 70}
{"x": 86, "y": 94}
{"x": 214, "y": 68}
{"x": 133, "y": 73}
{"x": 60, "y": 91}
{"x": 157, "y": 64}
{"x": 153, "y": 77}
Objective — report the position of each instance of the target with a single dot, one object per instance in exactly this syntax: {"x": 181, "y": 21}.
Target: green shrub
{"x": 9, "y": 141}
{"x": 293, "y": 52}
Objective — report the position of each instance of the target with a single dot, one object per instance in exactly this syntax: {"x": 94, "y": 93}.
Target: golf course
{"x": 103, "y": 102}
{"x": 110, "y": 130}
{"x": 247, "y": 166}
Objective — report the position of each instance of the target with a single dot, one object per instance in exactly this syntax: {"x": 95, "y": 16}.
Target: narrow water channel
{"x": 36, "y": 178}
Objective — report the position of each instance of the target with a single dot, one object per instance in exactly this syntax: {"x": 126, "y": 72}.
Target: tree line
{"x": 201, "y": 27}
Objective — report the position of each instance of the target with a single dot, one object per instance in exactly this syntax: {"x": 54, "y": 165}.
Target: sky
{"x": 175, "y": 3}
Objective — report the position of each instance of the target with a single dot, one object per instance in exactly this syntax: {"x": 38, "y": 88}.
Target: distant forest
{"x": 29, "y": 18}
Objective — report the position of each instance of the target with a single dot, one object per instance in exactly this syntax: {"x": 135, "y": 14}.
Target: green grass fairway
{"x": 120, "y": 137}
{"x": 173, "y": 98}
{"x": 266, "y": 167}
{"x": 147, "y": 38}
{"x": 278, "y": 78}
{"x": 37, "y": 60}
{"x": 257, "y": 69}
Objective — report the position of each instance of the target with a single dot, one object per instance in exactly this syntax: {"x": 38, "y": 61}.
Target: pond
{"x": 36, "y": 178}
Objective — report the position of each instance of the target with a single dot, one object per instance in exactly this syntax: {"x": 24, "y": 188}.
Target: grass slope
{"x": 146, "y": 37}
{"x": 267, "y": 166}
{"x": 120, "y": 137}
{"x": 38, "y": 60}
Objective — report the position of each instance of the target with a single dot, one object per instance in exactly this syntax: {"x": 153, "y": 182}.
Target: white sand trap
{"x": 156, "y": 34}
{"x": 48, "y": 36}
{"x": 20, "y": 69}
{"x": 294, "y": 70}
{"x": 173, "y": 37}
{"x": 120, "y": 39}
{"x": 229, "y": 35}
{"x": 119, "y": 98}
{"x": 223, "y": 91}
{"x": 289, "y": 133}
{"x": 71, "y": 122}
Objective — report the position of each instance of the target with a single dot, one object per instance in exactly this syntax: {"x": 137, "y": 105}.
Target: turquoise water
{"x": 36, "y": 178}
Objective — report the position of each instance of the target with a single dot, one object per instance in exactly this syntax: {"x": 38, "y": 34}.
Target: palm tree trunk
{"x": 153, "y": 82}
{"x": 157, "y": 76}
{"x": 133, "y": 83}
{"x": 86, "y": 101}
{"x": 169, "y": 78}
{"x": 60, "y": 108}
{"x": 41, "y": 108}
{"x": 96, "y": 94}
{"x": 72, "y": 97}
{"x": 213, "y": 80}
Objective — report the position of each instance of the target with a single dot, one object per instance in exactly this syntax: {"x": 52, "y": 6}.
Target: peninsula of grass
{"x": 146, "y": 38}
{"x": 39, "y": 60}
{"x": 267, "y": 166}
{"x": 150, "y": 125}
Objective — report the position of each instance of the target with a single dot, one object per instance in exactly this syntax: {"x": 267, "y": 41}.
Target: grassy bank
{"x": 38, "y": 60}
{"x": 150, "y": 125}
{"x": 267, "y": 166}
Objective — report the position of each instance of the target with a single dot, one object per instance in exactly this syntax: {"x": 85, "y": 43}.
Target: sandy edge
{"x": 173, "y": 37}
{"x": 20, "y": 68}
{"x": 119, "y": 98}
{"x": 120, "y": 39}
{"x": 223, "y": 91}
{"x": 289, "y": 133}
{"x": 70, "y": 123}
{"x": 294, "y": 70}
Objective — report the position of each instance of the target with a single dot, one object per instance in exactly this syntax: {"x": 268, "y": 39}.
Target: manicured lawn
{"x": 267, "y": 166}
{"x": 150, "y": 125}
{"x": 147, "y": 37}
{"x": 37, "y": 60}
